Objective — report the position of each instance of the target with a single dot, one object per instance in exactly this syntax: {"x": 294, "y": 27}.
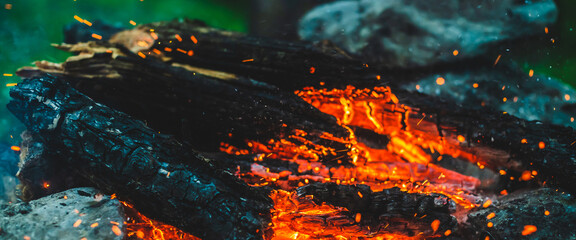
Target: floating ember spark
{"x": 455, "y": 52}
{"x": 94, "y": 35}
{"x": 11, "y": 84}
{"x": 15, "y": 148}
{"x": 8, "y": 74}
{"x": 497, "y": 60}
{"x": 440, "y": 81}
{"x": 528, "y": 229}
{"x": 531, "y": 73}
{"x": 77, "y": 223}
{"x": 132, "y": 22}
{"x": 8, "y": 6}
{"x": 312, "y": 70}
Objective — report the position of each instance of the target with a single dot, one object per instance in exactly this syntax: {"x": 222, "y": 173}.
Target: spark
{"x": 546, "y": 212}
{"x": 358, "y": 217}
{"x": 93, "y": 225}
{"x": 8, "y": 75}
{"x": 26, "y": 237}
{"x": 531, "y": 73}
{"x": 11, "y": 84}
{"x": 167, "y": 49}
{"x": 487, "y": 203}
{"x": 8, "y": 6}
{"x": 378, "y": 77}
{"x": 15, "y": 148}
{"x": 417, "y": 87}
{"x": 497, "y": 59}
{"x": 491, "y": 215}
{"x": 77, "y": 223}
{"x": 504, "y": 192}
{"x": 360, "y": 195}
{"x": 46, "y": 185}
{"x": 528, "y": 229}
{"x": 567, "y": 97}
{"x": 194, "y": 40}
{"x": 181, "y": 50}
{"x": 448, "y": 232}
{"x": 116, "y": 230}
{"x": 526, "y": 175}
{"x": 312, "y": 70}
{"x": 94, "y": 35}
{"x": 435, "y": 225}
{"x": 156, "y": 51}
{"x": 490, "y": 224}
{"x": 421, "y": 120}
{"x": 524, "y": 141}
{"x": 541, "y": 145}
{"x": 177, "y": 36}
{"x": 141, "y": 55}
{"x": 461, "y": 138}
{"x": 248, "y": 60}
{"x": 455, "y": 52}
{"x": 154, "y": 35}
{"x": 133, "y": 23}
{"x": 440, "y": 81}
{"x": 504, "y": 99}
{"x": 502, "y": 172}
{"x": 190, "y": 53}
{"x": 475, "y": 85}
{"x": 546, "y": 30}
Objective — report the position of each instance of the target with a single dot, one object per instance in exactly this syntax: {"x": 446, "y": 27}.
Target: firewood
{"x": 160, "y": 176}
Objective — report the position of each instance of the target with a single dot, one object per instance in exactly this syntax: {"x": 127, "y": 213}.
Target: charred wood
{"x": 161, "y": 177}
{"x": 390, "y": 209}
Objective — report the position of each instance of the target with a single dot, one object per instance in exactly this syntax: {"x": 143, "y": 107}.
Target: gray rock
{"x": 505, "y": 88}
{"x": 552, "y": 212}
{"x": 8, "y": 169}
{"x": 413, "y": 33}
{"x": 74, "y": 214}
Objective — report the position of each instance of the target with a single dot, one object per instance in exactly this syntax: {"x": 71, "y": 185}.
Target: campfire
{"x": 208, "y": 134}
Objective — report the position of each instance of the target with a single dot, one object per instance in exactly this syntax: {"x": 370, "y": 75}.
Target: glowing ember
{"x": 440, "y": 81}
{"x": 15, "y": 148}
{"x": 141, "y": 227}
{"x": 528, "y": 229}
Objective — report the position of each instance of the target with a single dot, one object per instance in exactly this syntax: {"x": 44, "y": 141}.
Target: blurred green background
{"x": 27, "y": 27}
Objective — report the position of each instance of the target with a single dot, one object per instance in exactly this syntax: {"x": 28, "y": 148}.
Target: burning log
{"x": 497, "y": 141}
{"x": 159, "y": 175}
{"x": 349, "y": 135}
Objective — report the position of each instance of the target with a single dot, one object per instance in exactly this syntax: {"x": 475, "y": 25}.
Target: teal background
{"x": 28, "y": 29}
